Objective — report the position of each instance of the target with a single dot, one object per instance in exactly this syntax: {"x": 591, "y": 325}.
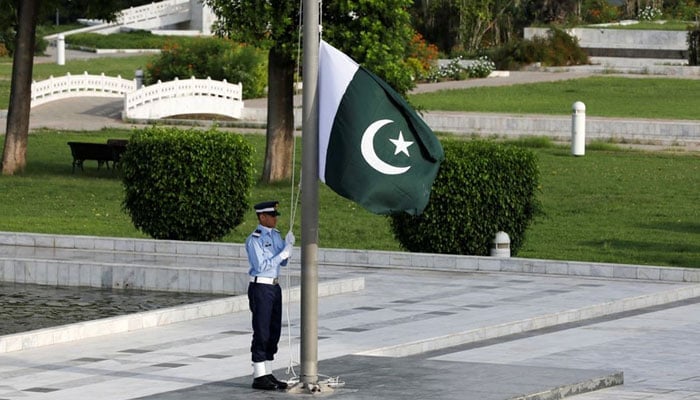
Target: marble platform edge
{"x": 608, "y": 379}
{"x": 149, "y": 246}
{"x": 366, "y": 258}
{"x": 160, "y": 317}
{"x": 229, "y": 280}
{"x": 538, "y": 322}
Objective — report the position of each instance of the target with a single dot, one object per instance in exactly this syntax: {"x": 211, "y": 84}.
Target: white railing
{"x": 84, "y": 85}
{"x": 149, "y": 16}
{"x": 187, "y": 96}
{"x": 153, "y": 11}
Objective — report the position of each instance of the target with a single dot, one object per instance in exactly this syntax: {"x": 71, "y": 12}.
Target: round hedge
{"x": 481, "y": 188}
{"x": 186, "y": 184}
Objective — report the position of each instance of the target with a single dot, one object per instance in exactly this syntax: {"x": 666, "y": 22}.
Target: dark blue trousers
{"x": 265, "y": 303}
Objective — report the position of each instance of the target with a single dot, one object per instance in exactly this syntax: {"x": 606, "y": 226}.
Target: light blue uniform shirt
{"x": 263, "y": 247}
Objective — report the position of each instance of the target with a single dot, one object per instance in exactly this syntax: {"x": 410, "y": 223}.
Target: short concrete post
{"x": 61, "y": 50}
{"x": 578, "y": 129}
{"x": 138, "y": 75}
{"x": 501, "y": 245}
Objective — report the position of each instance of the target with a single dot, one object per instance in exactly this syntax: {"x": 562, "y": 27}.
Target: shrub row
{"x": 186, "y": 184}
{"x": 215, "y": 58}
{"x": 482, "y": 188}
{"x": 694, "y": 45}
{"x": 125, "y": 40}
{"x": 557, "y": 49}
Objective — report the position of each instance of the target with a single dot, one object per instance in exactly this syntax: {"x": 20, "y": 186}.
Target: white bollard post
{"x": 61, "y": 50}
{"x": 138, "y": 76}
{"x": 578, "y": 129}
{"x": 501, "y": 245}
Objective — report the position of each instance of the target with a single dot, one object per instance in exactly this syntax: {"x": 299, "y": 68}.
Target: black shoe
{"x": 280, "y": 385}
{"x": 264, "y": 383}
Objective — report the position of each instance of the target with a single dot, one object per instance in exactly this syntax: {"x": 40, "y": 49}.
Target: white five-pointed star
{"x": 401, "y": 145}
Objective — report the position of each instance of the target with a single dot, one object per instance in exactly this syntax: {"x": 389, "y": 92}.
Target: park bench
{"x": 103, "y": 153}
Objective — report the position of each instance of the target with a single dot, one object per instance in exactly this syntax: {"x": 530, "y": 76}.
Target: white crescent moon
{"x": 367, "y": 147}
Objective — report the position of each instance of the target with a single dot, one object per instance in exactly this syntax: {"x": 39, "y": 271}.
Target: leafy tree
{"x": 271, "y": 25}
{"x": 14, "y": 157}
{"x": 469, "y": 26}
{"x": 71, "y": 10}
{"x": 437, "y": 21}
{"x": 458, "y": 26}
{"x": 549, "y": 11}
{"x": 22, "y": 17}
{"x": 8, "y": 23}
{"x": 374, "y": 32}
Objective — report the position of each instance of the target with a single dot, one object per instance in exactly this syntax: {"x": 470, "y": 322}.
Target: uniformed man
{"x": 267, "y": 252}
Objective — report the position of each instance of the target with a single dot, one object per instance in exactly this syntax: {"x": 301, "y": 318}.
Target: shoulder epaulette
{"x": 256, "y": 233}
{"x": 276, "y": 230}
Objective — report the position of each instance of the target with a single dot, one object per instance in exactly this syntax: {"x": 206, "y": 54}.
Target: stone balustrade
{"x": 187, "y": 96}
{"x": 609, "y": 42}
{"x": 163, "y": 99}
{"x": 85, "y": 85}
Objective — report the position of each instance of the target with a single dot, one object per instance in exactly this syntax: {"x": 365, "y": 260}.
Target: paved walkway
{"x": 405, "y": 332}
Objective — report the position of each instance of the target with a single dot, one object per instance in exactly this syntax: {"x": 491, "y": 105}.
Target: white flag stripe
{"x": 336, "y": 71}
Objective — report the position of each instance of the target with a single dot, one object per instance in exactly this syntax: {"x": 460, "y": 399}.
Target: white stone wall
{"x": 201, "y": 17}
{"x": 621, "y": 38}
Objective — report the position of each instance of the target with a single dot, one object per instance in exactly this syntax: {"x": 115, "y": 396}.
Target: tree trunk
{"x": 280, "y": 117}
{"x": 14, "y": 158}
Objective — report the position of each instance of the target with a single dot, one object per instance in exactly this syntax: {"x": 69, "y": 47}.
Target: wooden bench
{"x": 103, "y": 153}
{"x": 118, "y": 148}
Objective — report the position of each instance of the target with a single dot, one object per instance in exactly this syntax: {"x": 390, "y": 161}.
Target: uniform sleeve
{"x": 260, "y": 259}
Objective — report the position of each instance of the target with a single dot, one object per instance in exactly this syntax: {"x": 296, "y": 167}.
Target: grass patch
{"x": 532, "y": 142}
{"x": 649, "y": 26}
{"x": 618, "y": 206}
{"x": 608, "y": 206}
{"x": 127, "y": 40}
{"x": 110, "y": 66}
{"x": 45, "y": 30}
{"x": 604, "y": 96}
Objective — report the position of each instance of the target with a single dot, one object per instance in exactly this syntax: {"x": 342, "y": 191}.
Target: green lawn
{"x": 617, "y": 206}
{"x": 604, "y": 96}
{"x": 652, "y": 26}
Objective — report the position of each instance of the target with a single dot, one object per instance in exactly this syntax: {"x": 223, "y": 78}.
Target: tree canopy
{"x": 376, "y": 33}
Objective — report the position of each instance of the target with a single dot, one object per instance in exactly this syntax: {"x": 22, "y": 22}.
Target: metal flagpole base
{"x": 325, "y": 387}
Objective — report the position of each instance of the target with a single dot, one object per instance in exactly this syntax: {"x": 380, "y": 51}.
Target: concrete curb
{"x": 156, "y": 318}
{"x": 590, "y": 385}
{"x": 355, "y": 258}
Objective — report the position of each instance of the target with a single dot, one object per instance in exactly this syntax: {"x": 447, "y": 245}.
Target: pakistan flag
{"x": 373, "y": 147}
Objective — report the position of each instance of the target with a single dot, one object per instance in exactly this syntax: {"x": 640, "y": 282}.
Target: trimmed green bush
{"x": 186, "y": 184}
{"x": 136, "y": 39}
{"x": 8, "y": 39}
{"x": 556, "y": 49}
{"x": 694, "y": 45}
{"x": 482, "y": 188}
{"x": 600, "y": 11}
{"x": 215, "y": 58}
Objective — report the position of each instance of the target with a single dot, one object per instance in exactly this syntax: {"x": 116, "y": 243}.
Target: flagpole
{"x": 309, "y": 198}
